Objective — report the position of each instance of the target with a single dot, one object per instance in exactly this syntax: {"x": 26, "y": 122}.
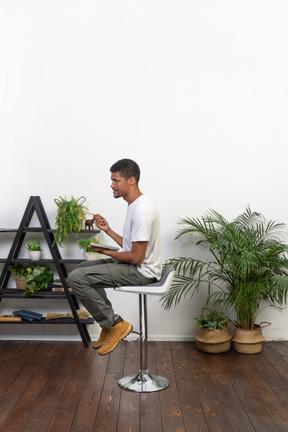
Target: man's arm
{"x": 135, "y": 256}
{"x": 102, "y": 224}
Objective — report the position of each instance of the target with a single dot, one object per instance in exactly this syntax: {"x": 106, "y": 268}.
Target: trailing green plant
{"x": 213, "y": 320}
{"x": 33, "y": 245}
{"x": 84, "y": 244}
{"x": 70, "y": 215}
{"x": 36, "y": 277}
{"x": 18, "y": 270}
{"x": 247, "y": 266}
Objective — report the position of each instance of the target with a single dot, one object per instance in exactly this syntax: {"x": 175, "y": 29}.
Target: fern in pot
{"x": 246, "y": 269}
{"x": 213, "y": 335}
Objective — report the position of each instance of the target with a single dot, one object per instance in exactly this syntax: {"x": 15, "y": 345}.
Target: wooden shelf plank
{"x": 49, "y": 230}
{"x": 50, "y": 321}
{"x": 47, "y": 260}
{"x": 45, "y": 294}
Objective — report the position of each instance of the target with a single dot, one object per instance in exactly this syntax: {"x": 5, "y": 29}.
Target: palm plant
{"x": 247, "y": 268}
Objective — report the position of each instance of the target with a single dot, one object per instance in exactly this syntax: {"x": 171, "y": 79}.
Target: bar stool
{"x": 144, "y": 382}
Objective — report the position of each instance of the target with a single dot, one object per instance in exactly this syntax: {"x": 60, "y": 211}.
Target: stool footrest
{"x": 144, "y": 382}
{"x": 129, "y": 338}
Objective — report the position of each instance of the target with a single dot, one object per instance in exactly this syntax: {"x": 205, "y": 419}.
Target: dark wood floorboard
{"x": 64, "y": 387}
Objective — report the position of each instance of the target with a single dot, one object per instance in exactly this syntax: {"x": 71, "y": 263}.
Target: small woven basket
{"x": 213, "y": 341}
{"x": 20, "y": 283}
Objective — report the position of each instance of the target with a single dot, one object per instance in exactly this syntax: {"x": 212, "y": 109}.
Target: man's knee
{"x": 74, "y": 278}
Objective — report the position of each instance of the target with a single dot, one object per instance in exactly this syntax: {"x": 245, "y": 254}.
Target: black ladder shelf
{"x": 35, "y": 205}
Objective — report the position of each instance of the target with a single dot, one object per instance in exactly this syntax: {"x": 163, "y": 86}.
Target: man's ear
{"x": 132, "y": 181}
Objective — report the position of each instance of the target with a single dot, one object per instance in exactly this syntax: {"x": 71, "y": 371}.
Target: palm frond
{"x": 190, "y": 274}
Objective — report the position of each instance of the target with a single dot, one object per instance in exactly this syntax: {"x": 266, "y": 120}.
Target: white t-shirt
{"x": 142, "y": 224}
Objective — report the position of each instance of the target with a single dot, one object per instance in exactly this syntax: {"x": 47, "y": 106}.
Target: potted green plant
{"x": 34, "y": 250}
{"x": 246, "y": 268}
{"x": 84, "y": 245}
{"x": 69, "y": 218}
{"x": 19, "y": 272}
{"x": 213, "y": 335}
{"x": 34, "y": 278}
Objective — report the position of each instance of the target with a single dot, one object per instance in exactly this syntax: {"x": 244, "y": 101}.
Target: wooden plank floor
{"x": 64, "y": 387}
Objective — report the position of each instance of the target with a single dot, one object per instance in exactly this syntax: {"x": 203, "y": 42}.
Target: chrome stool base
{"x": 143, "y": 382}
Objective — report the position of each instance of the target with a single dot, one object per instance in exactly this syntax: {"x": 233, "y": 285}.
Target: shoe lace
{"x": 108, "y": 334}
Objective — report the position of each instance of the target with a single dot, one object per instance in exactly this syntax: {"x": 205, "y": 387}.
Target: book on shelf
{"x": 60, "y": 289}
{"x": 10, "y": 317}
{"x": 28, "y": 315}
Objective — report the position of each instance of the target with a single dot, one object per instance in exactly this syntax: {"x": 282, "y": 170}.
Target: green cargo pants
{"x": 89, "y": 280}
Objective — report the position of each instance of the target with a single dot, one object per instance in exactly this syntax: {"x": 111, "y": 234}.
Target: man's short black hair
{"x": 127, "y": 168}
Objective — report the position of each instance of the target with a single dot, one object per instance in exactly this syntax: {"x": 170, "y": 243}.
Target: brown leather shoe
{"x": 97, "y": 344}
{"x": 114, "y": 335}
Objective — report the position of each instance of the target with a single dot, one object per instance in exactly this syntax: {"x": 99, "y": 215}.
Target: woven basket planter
{"x": 248, "y": 341}
{"x": 213, "y": 341}
{"x": 20, "y": 283}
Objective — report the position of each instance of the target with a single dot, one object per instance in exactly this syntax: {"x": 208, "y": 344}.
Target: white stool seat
{"x": 157, "y": 288}
{"x": 144, "y": 382}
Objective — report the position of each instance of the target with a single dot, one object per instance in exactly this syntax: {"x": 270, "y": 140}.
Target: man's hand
{"x": 98, "y": 249}
{"x": 101, "y": 223}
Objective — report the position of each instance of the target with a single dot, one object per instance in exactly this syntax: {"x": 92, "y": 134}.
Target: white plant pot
{"x": 34, "y": 255}
{"x": 90, "y": 256}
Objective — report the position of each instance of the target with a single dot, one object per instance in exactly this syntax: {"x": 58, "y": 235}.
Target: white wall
{"x": 195, "y": 91}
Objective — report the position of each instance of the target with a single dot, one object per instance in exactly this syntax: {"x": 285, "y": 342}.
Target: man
{"x": 138, "y": 263}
